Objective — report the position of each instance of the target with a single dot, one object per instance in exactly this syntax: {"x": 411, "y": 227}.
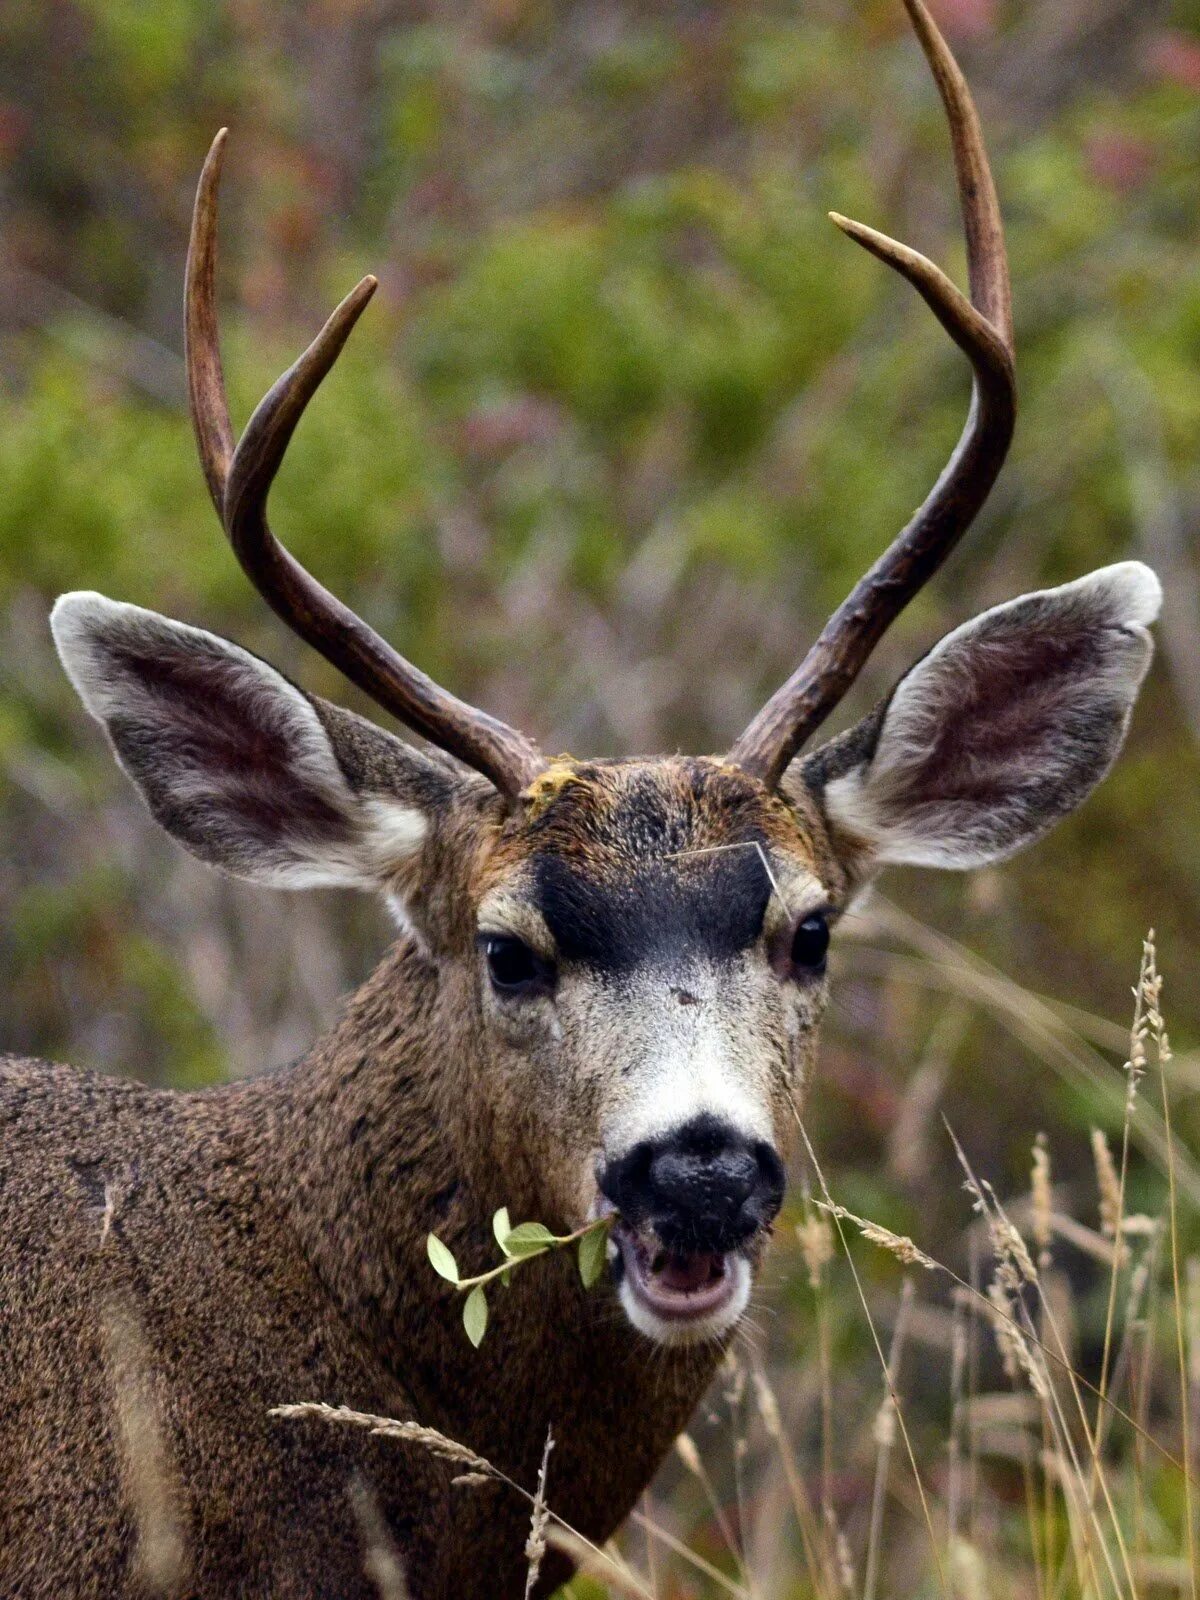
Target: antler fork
{"x": 240, "y": 476}
{"x": 239, "y": 479}
{"x": 982, "y": 329}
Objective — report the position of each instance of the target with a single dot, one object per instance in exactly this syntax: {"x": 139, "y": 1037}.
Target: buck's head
{"x": 636, "y": 949}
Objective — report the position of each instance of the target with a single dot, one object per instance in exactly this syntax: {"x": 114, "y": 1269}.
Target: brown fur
{"x": 268, "y": 1241}
{"x": 174, "y": 1265}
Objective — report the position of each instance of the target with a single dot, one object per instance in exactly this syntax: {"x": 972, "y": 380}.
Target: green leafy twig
{"x": 519, "y": 1244}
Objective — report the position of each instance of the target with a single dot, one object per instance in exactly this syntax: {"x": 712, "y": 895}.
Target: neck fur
{"x": 381, "y": 1135}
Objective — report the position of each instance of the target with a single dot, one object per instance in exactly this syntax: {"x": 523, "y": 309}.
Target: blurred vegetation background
{"x": 625, "y": 421}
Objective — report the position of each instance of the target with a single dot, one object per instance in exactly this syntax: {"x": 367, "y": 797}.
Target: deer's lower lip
{"x": 678, "y": 1287}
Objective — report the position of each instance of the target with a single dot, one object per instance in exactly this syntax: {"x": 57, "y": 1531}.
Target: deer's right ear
{"x": 1004, "y": 727}
{"x": 239, "y": 765}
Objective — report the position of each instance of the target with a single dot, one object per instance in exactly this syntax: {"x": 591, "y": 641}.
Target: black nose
{"x": 704, "y": 1186}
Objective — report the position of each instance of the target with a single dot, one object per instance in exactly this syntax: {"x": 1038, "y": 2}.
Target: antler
{"x": 982, "y": 329}
{"x": 239, "y": 480}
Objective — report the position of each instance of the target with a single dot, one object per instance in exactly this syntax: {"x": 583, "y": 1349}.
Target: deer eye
{"x": 810, "y": 944}
{"x": 514, "y": 968}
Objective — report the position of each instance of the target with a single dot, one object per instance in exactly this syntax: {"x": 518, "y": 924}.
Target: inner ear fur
{"x": 242, "y": 767}
{"x": 1001, "y": 730}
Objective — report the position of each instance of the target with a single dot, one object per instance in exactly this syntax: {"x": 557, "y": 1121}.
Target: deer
{"x": 603, "y": 1001}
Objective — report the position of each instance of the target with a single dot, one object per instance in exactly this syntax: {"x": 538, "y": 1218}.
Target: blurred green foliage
{"x": 620, "y": 367}
{"x": 625, "y": 421}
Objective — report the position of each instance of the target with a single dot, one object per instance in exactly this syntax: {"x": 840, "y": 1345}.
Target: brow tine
{"x": 239, "y": 479}
{"x": 502, "y": 753}
{"x": 206, "y": 381}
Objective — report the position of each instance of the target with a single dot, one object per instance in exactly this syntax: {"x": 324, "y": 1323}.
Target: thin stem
{"x": 912, "y": 1458}
{"x": 555, "y": 1242}
{"x": 990, "y": 1310}
{"x": 1181, "y": 1348}
{"x": 885, "y": 1439}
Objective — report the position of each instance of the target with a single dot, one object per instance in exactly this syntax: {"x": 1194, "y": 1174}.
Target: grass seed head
{"x": 1041, "y": 1193}
{"x": 1108, "y": 1183}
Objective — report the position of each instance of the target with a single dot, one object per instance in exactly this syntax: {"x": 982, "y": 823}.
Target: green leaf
{"x": 475, "y": 1315}
{"x": 501, "y": 1226}
{"x": 526, "y": 1240}
{"x": 592, "y": 1255}
{"x": 440, "y": 1259}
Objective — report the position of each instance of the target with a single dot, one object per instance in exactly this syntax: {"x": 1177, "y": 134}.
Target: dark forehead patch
{"x": 636, "y": 868}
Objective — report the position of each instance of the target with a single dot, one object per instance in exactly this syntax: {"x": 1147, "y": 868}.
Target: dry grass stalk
{"x": 714, "y": 1574}
{"x": 535, "y": 1545}
{"x": 1042, "y": 1198}
{"x": 151, "y": 1481}
{"x": 1151, "y": 990}
{"x": 1085, "y": 1239}
{"x": 737, "y": 1376}
{"x": 884, "y": 1433}
{"x": 810, "y": 1529}
{"x": 958, "y": 1367}
{"x": 918, "y": 1480}
{"x": 389, "y": 1428}
{"x": 1013, "y": 1268}
{"x": 381, "y": 1559}
{"x": 1146, "y": 998}
{"x": 594, "y": 1563}
{"x": 816, "y": 1244}
{"x": 649, "y": 1546}
{"x": 1014, "y": 1263}
{"x": 1139, "y": 1281}
{"x": 447, "y": 1449}
{"x": 1109, "y": 1184}
{"x": 968, "y": 1571}
{"x": 843, "y": 1560}
{"x": 896, "y": 1244}
{"x": 1016, "y": 1356}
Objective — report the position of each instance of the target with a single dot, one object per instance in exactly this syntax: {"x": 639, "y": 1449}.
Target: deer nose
{"x": 702, "y": 1186}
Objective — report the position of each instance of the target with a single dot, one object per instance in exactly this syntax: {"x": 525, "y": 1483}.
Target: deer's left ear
{"x": 1001, "y": 730}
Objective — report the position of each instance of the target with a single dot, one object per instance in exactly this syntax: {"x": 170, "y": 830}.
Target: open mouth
{"x": 676, "y": 1287}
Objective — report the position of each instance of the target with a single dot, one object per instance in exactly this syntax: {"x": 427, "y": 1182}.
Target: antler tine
{"x": 206, "y": 381}
{"x": 239, "y": 480}
{"x": 982, "y": 329}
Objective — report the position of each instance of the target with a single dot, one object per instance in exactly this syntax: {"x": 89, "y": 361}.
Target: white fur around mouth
{"x": 679, "y": 1299}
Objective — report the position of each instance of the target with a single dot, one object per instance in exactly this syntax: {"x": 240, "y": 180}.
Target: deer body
{"x": 264, "y": 1264}
{"x": 604, "y": 1004}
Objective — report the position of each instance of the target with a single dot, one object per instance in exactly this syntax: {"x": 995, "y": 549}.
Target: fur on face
{"x": 661, "y": 896}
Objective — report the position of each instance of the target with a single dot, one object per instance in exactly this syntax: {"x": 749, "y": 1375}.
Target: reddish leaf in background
{"x": 1119, "y": 161}
{"x": 498, "y": 429}
{"x": 1175, "y": 55}
{"x": 14, "y": 127}
{"x": 965, "y": 19}
{"x": 294, "y": 227}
